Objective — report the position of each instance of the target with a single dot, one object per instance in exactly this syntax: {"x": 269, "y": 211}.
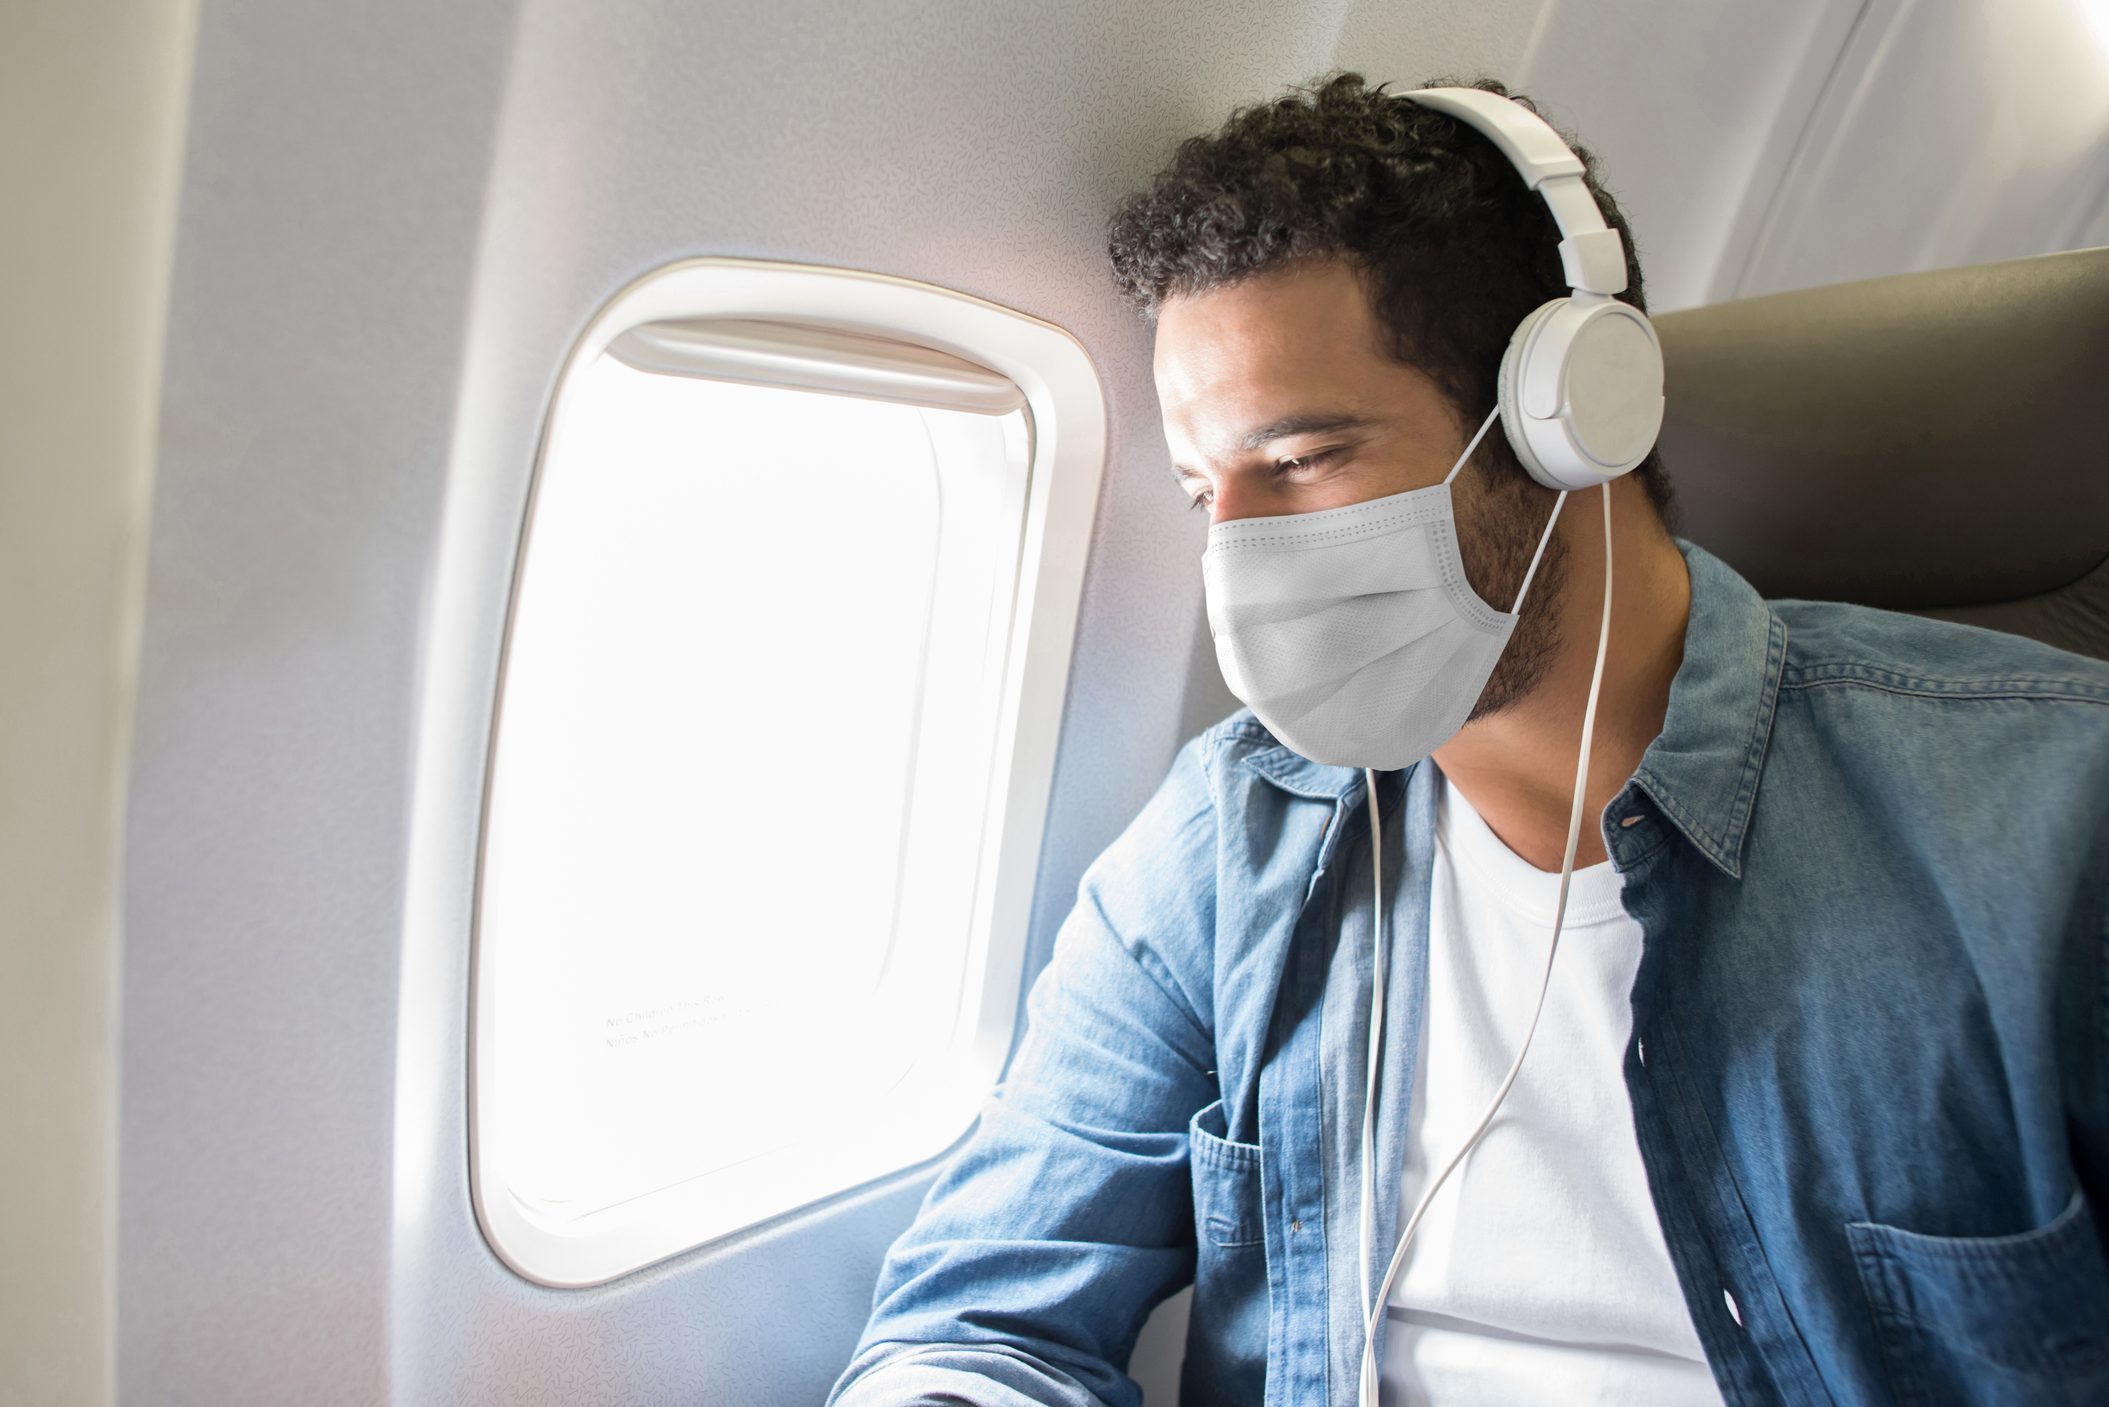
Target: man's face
{"x": 1279, "y": 397}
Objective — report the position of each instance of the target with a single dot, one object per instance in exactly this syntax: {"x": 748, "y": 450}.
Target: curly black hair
{"x": 1452, "y": 245}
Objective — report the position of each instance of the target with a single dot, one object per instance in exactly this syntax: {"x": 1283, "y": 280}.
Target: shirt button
{"x": 1631, "y": 821}
{"x": 1733, "y": 1312}
{"x": 1640, "y": 1048}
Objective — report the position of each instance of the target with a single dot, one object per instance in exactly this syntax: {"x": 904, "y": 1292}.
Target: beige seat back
{"x": 1931, "y": 442}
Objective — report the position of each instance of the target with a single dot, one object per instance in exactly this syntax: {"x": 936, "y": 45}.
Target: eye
{"x": 1201, "y": 500}
{"x": 1304, "y": 461}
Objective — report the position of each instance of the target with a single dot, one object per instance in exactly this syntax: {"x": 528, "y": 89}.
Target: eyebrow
{"x": 1290, "y": 425}
{"x": 1287, "y": 427}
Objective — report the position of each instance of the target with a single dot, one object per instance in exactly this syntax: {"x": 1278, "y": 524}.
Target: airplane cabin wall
{"x": 396, "y": 218}
{"x": 1945, "y": 135}
{"x": 92, "y": 95}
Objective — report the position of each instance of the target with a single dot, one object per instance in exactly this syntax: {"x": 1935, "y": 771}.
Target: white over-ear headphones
{"x": 1581, "y": 382}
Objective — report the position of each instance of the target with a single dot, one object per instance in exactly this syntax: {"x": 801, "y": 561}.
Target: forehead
{"x": 1262, "y": 347}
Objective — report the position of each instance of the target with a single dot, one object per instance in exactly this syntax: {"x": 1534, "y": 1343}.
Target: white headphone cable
{"x": 1373, "y": 1306}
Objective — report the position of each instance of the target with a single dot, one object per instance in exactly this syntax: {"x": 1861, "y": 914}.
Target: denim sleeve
{"x": 1067, "y": 1216}
{"x": 2090, "y": 1124}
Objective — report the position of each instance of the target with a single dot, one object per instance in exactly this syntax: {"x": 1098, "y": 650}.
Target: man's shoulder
{"x": 1178, "y": 819}
{"x": 1232, "y": 793}
{"x": 1831, "y": 643}
{"x": 1929, "y": 711}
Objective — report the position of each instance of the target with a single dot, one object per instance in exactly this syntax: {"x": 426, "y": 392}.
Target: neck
{"x": 1517, "y": 767}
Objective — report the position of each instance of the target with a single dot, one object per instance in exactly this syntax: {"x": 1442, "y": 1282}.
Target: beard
{"x": 1507, "y": 514}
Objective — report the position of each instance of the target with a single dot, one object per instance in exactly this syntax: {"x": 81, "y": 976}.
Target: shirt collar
{"x": 1297, "y": 774}
{"x": 1702, "y": 771}
{"x": 1703, "y": 768}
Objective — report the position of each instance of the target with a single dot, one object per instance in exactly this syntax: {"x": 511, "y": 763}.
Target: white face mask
{"x": 1352, "y": 632}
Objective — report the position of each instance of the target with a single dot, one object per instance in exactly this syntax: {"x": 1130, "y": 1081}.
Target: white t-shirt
{"x": 1539, "y": 1274}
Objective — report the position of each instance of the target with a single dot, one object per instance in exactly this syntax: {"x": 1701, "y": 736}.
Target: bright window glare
{"x": 748, "y": 689}
{"x": 2096, "y": 13}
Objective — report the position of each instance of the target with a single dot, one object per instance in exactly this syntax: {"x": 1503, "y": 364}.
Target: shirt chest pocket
{"x": 1227, "y": 1205}
{"x": 1993, "y": 1320}
{"x": 1226, "y": 1358}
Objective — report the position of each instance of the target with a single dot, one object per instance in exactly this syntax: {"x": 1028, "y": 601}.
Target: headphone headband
{"x": 1591, "y": 252}
{"x": 1580, "y": 385}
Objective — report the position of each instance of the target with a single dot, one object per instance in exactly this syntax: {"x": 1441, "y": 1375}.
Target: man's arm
{"x": 2089, "y": 1081}
{"x": 1068, "y": 1214}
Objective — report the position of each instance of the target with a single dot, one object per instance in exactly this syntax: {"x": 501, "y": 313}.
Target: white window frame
{"x": 1067, "y": 421}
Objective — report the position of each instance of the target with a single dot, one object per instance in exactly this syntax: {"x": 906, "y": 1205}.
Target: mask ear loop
{"x": 1539, "y": 556}
{"x": 1543, "y": 537}
{"x": 1478, "y": 435}
{"x": 1373, "y": 1306}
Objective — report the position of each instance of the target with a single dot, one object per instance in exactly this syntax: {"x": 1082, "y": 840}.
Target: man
{"x": 1818, "y": 1107}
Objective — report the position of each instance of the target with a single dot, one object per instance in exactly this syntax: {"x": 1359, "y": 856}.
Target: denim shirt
{"x": 1869, "y": 1066}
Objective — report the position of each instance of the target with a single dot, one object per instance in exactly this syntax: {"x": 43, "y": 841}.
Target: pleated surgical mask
{"x": 1352, "y": 632}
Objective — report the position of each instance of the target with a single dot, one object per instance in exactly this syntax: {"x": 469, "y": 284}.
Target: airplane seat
{"x": 1929, "y": 442}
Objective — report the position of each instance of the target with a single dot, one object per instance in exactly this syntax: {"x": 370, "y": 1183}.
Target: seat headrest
{"x": 1930, "y": 442}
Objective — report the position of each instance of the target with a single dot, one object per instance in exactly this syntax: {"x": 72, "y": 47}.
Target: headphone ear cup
{"x": 1509, "y": 388}
{"x": 1591, "y": 370}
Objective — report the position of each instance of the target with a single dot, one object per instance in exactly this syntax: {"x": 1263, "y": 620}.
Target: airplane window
{"x": 738, "y": 840}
